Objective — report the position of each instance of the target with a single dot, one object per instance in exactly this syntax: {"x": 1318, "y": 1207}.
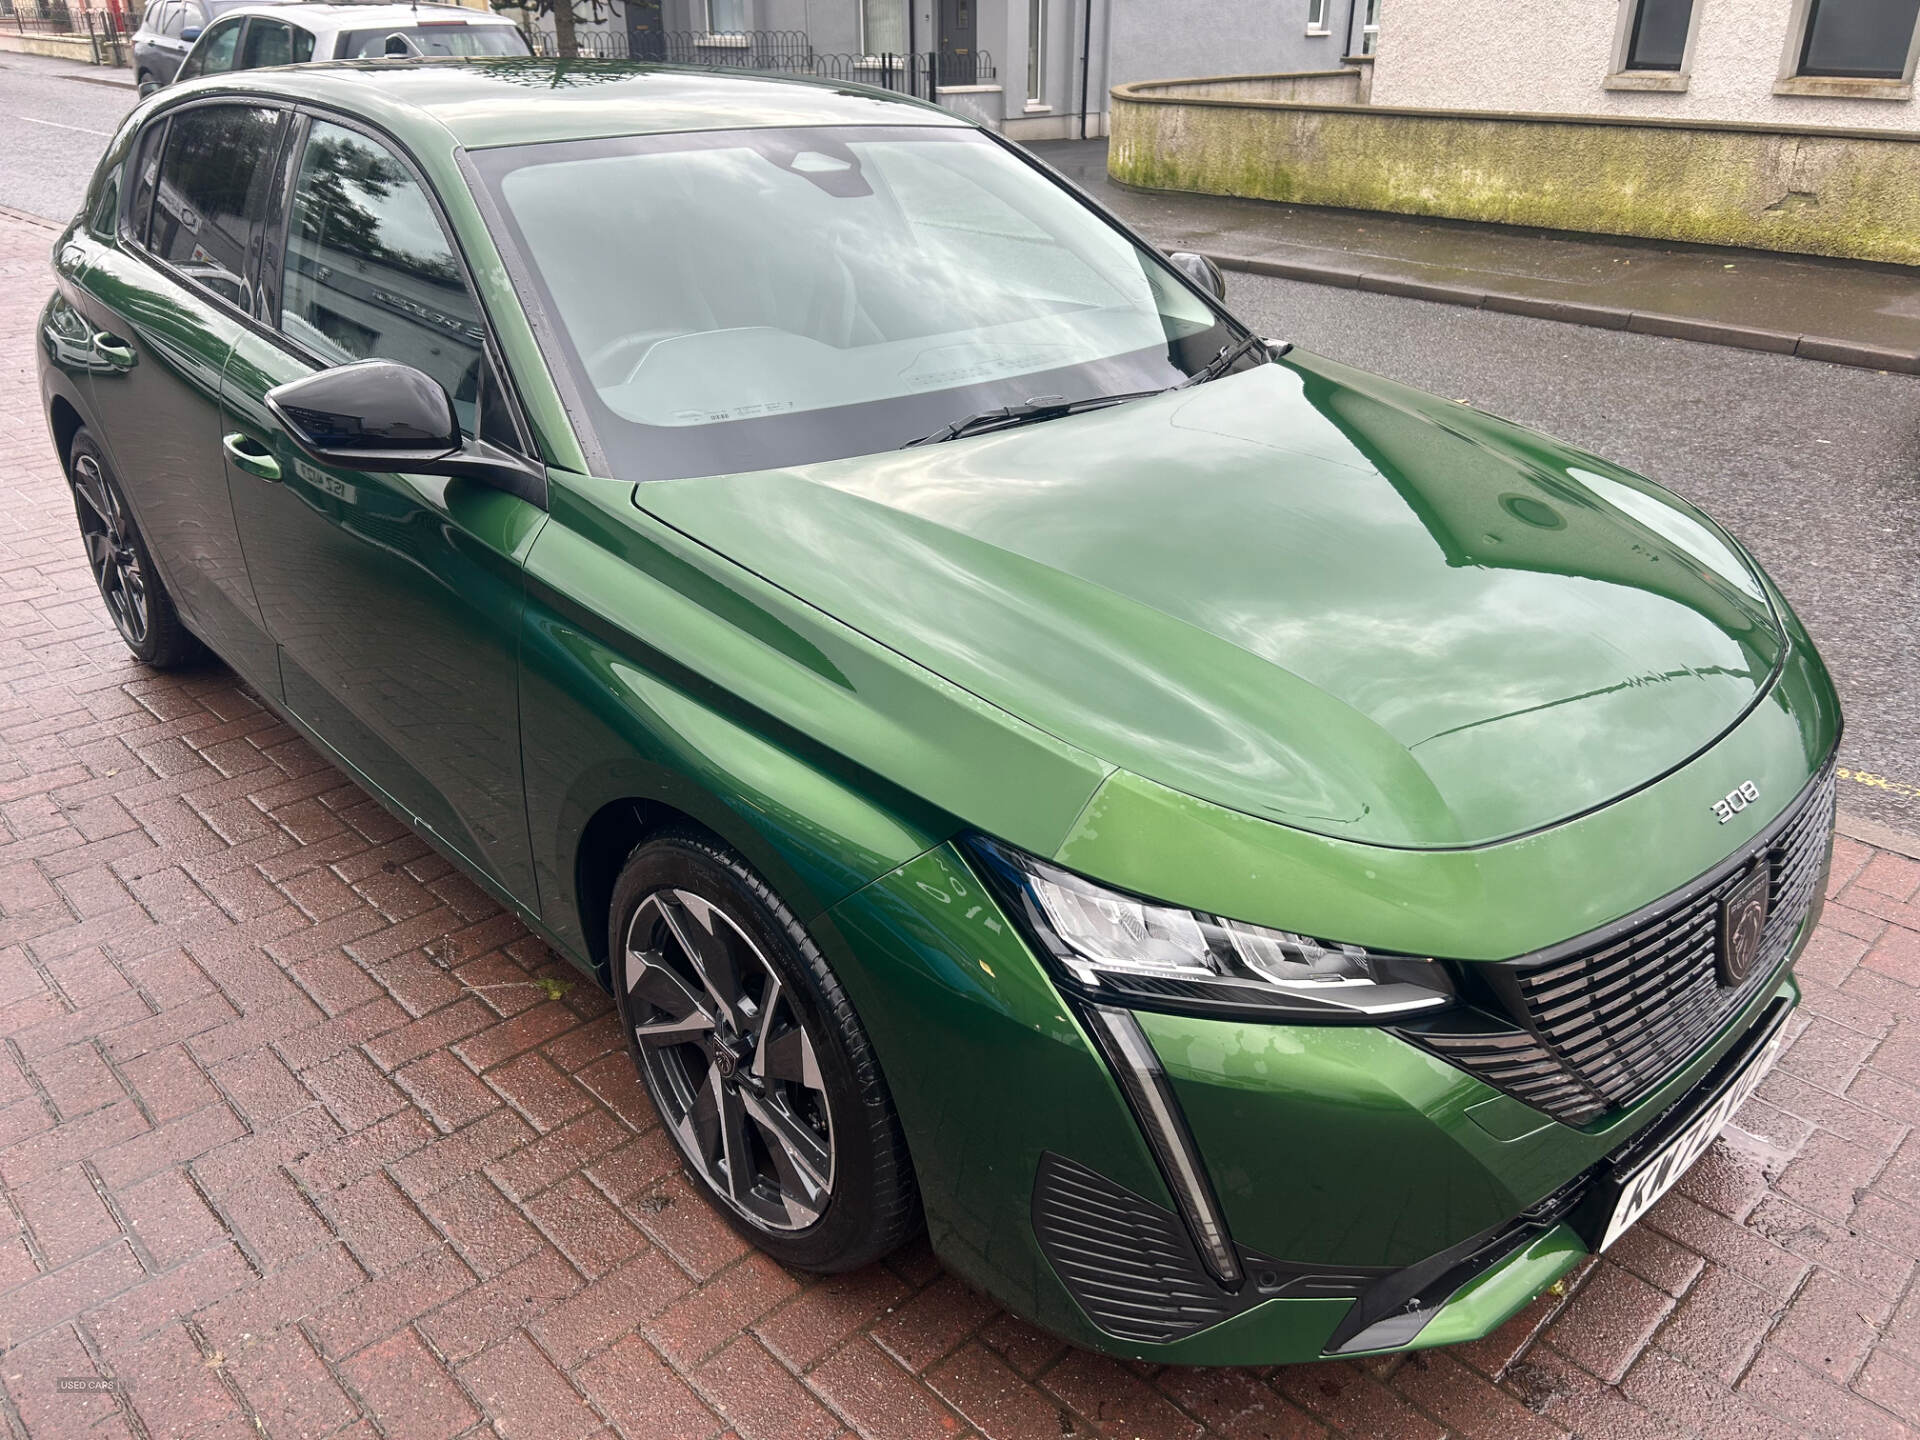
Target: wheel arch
{"x": 65, "y": 420}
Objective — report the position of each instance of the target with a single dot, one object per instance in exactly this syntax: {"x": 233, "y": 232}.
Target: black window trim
{"x": 280, "y": 208}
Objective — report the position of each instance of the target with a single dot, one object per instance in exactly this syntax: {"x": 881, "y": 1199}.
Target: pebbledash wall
{"x": 1567, "y": 57}
{"x": 1545, "y": 129}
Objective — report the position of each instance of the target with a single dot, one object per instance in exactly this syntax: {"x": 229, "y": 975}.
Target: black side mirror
{"x": 381, "y": 415}
{"x": 1202, "y": 271}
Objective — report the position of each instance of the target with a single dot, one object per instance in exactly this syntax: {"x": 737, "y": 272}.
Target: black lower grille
{"x": 1131, "y": 1266}
{"x": 1593, "y": 1025}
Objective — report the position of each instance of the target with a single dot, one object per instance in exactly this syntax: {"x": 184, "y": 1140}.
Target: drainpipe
{"x": 1086, "y": 60}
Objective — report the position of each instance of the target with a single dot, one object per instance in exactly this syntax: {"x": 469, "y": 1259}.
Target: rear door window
{"x": 432, "y": 37}
{"x": 269, "y": 42}
{"x": 214, "y": 54}
{"x": 211, "y": 195}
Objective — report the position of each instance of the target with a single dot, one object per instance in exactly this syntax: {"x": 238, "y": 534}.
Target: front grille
{"x": 1595, "y": 1024}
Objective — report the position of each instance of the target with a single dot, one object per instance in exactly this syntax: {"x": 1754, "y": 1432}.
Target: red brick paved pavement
{"x": 291, "y": 1141}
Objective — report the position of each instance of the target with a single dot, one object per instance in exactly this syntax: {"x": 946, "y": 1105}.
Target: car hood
{"x": 1301, "y": 592}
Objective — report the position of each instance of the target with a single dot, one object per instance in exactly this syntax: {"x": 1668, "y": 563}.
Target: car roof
{"x": 317, "y": 15}
{"x": 515, "y": 100}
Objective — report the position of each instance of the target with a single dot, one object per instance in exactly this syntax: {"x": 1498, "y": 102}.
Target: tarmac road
{"x": 1815, "y": 467}
{"x": 56, "y": 117}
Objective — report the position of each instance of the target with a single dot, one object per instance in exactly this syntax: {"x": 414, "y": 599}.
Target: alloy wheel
{"x": 729, "y": 1060}
{"x": 111, "y": 551}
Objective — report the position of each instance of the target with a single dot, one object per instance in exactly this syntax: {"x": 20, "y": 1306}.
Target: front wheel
{"x": 147, "y": 84}
{"x": 755, "y": 1060}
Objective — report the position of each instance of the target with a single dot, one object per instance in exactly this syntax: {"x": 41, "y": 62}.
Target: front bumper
{"x": 1332, "y": 1149}
{"x": 1353, "y": 1166}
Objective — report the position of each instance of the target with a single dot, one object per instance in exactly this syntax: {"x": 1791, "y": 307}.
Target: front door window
{"x": 369, "y": 272}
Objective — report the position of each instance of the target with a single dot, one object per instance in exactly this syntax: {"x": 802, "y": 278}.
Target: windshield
{"x": 746, "y": 299}
{"x": 435, "y": 37}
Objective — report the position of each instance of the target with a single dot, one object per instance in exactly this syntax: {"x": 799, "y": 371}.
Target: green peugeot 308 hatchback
{"x": 1262, "y": 862}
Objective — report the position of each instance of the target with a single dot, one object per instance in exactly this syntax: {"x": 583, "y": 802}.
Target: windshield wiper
{"x": 1040, "y": 407}
{"x": 1230, "y": 355}
{"x": 1051, "y": 407}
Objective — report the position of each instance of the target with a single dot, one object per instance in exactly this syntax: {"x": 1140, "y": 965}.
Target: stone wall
{"x": 1820, "y": 191}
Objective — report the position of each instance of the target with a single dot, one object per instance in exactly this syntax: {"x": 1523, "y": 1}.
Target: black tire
{"x": 136, "y": 599}
{"x": 146, "y": 84}
{"x": 871, "y": 1203}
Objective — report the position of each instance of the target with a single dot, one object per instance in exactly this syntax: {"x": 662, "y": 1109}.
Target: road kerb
{"x": 1826, "y": 349}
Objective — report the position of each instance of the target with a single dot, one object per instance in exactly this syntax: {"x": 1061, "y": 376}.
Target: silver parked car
{"x": 253, "y": 36}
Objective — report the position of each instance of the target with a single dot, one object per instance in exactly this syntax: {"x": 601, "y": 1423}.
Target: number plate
{"x": 1656, "y": 1175}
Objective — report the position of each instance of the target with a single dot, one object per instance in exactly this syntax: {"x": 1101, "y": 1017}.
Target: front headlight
{"x": 1120, "y": 950}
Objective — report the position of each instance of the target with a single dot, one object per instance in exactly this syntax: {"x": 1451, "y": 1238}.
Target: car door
{"x": 166, "y": 300}
{"x": 395, "y": 599}
{"x": 150, "y": 56}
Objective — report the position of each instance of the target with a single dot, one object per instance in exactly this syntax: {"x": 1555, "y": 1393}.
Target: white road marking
{"x": 83, "y": 129}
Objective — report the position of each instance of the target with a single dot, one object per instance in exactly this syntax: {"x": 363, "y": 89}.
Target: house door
{"x": 645, "y": 40}
{"x": 957, "y": 34}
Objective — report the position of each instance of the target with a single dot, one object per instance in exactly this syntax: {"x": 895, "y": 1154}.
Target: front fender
{"x": 654, "y": 670}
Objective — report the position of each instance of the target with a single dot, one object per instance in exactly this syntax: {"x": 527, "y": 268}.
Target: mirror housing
{"x": 382, "y": 415}
{"x": 1202, "y": 271}
{"x": 190, "y": 34}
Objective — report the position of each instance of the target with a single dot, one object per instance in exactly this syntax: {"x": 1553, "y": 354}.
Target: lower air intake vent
{"x": 1130, "y": 1265}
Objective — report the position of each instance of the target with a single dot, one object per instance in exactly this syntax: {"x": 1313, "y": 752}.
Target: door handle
{"x": 251, "y": 456}
{"x": 112, "y": 349}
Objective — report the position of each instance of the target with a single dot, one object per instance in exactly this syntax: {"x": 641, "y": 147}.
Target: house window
{"x": 1658, "y": 40}
{"x": 1317, "y": 17}
{"x": 1036, "y": 52}
{"x": 1859, "y": 39}
{"x": 883, "y": 29}
{"x": 726, "y": 17}
{"x": 1370, "y": 32}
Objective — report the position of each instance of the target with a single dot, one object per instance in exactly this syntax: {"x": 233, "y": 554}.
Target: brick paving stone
{"x": 1719, "y": 1325}
{"x": 411, "y": 1392}
{"x": 609, "y": 1307}
{"x": 1831, "y": 1326}
{"x": 1608, "y": 1320}
{"x": 271, "y": 1155}
{"x": 518, "y": 1389}
{"x": 726, "y": 1304}
{"x": 755, "y": 1395}
{"x": 637, "y": 1390}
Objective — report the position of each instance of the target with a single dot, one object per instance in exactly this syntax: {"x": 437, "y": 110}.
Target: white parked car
{"x": 251, "y": 37}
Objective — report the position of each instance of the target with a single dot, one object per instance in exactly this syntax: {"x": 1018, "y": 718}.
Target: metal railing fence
{"x": 779, "y": 52}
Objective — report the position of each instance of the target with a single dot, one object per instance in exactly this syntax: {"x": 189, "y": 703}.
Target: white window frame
{"x": 1621, "y": 78}
{"x": 1038, "y": 17}
{"x": 1370, "y": 30}
{"x": 870, "y": 57}
{"x": 1845, "y": 87}
{"x": 726, "y": 37}
{"x": 1317, "y": 17}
